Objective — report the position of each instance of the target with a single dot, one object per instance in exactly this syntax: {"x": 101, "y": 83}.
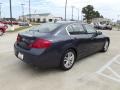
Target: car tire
{"x": 110, "y": 29}
{"x": 1, "y": 32}
{"x": 68, "y": 59}
{"x": 106, "y": 45}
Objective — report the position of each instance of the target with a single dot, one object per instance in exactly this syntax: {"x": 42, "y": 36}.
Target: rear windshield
{"x": 45, "y": 28}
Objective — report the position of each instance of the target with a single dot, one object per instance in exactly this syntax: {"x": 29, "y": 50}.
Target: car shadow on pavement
{"x": 38, "y": 70}
{"x": 86, "y": 57}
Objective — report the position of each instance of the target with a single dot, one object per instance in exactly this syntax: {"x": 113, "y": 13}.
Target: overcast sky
{"x": 108, "y": 8}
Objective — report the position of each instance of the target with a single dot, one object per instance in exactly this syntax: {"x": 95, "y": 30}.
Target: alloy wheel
{"x": 69, "y": 59}
{"x": 106, "y": 46}
{"x": 1, "y": 33}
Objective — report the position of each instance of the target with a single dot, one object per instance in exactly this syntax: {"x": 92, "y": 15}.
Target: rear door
{"x": 79, "y": 39}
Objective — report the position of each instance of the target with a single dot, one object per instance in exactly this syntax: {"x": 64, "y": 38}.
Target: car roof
{"x": 68, "y": 22}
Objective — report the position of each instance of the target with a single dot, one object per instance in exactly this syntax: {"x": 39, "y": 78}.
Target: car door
{"x": 95, "y": 40}
{"x": 80, "y": 39}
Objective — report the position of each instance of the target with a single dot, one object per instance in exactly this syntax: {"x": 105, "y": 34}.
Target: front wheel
{"x": 68, "y": 59}
{"x": 1, "y": 32}
{"x": 106, "y": 45}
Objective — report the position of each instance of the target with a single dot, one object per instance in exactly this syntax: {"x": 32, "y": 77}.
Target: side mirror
{"x": 99, "y": 33}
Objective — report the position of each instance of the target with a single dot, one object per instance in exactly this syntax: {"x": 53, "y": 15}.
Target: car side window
{"x": 78, "y": 29}
{"x": 75, "y": 29}
{"x": 70, "y": 29}
{"x": 90, "y": 29}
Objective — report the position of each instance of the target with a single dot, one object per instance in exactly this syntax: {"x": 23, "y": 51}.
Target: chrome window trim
{"x": 67, "y": 30}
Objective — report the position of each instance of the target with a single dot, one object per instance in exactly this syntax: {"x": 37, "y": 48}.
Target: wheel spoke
{"x": 70, "y": 54}
{"x": 106, "y": 45}
{"x": 69, "y": 59}
{"x": 66, "y": 58}
{"x": 72, "y": 57}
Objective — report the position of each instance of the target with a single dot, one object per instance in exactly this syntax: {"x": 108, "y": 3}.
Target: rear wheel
{"x": 110, "y": 29}
{"x": 106, "y": 45}
{"x": 68, "y": 59}
{"x": 1, "y": 32}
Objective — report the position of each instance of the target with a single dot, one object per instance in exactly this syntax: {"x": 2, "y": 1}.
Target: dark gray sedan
{"x": 59, "y": 44}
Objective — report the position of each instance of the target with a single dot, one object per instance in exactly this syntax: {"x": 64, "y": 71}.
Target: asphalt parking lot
{"x": 100, "y": 71}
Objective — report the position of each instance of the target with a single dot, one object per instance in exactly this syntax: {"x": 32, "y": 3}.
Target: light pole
{"x": 118, "y": 22}
{"x": 29, "y": 10}
{"x": 72, "y": 12}
{"x": 0, "y": 10}
{"x": 81, "y": 16}
{"x": 10, "y": 12}
{"x": 22, "y": 5}
{"x": 65, "y": 9}
{"x": 78, "y": 14}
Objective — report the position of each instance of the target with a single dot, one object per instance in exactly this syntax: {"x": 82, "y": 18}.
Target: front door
{"x": 96, "y": 41}
{"x": 80, "y": 39}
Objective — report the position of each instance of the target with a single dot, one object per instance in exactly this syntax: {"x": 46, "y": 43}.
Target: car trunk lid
{"x": 27, "y": 38}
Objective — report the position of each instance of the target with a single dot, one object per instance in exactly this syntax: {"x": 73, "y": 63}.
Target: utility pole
{"x": 29, "y": 10}
{"x": 22, "y": 5}
{"x": 0, "y": 10}
{"x": 72, "y": 12}
{"x": 78, "y": 14}
{"x": 65, "y": 9}
{"x": 10, "y": 12}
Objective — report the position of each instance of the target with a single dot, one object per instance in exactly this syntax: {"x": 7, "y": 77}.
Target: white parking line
{"x": 115, "y": 73}
{"x": 112, "y": 78}
{"x": 107, "y": 66}
{"x": 117, "y": 62}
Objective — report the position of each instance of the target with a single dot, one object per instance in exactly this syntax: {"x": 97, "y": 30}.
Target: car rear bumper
{"x": 41, "y": 58}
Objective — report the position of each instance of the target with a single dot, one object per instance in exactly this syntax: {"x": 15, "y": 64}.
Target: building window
{"x": 50, "y": 20}
{"x": 38, "y": 20}
{"x": 33, "y": 19}
{"x": 44, "y": 20}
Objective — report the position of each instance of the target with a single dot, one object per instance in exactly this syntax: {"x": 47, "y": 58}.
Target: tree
{"x": 96, "y": 14}
{"x": 90, "y": 13}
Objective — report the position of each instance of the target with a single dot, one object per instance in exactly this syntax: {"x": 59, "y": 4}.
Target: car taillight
{"x": 19, "y": 38}
{"x": 40, "y": 43}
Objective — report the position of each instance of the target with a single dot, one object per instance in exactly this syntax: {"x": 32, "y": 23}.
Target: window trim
{"x": 73, "y": 30}
{"x": 87, "y": 30}
{"x": 67, "y": 29}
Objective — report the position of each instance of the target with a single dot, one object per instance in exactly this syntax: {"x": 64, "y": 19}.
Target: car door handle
{"x": 75, "y": 38}
{"x": 92, "y": 38}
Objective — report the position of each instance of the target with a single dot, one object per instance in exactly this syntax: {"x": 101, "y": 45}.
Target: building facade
{"x": 40, "y": 18}
{"x": 101, "y": 20}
